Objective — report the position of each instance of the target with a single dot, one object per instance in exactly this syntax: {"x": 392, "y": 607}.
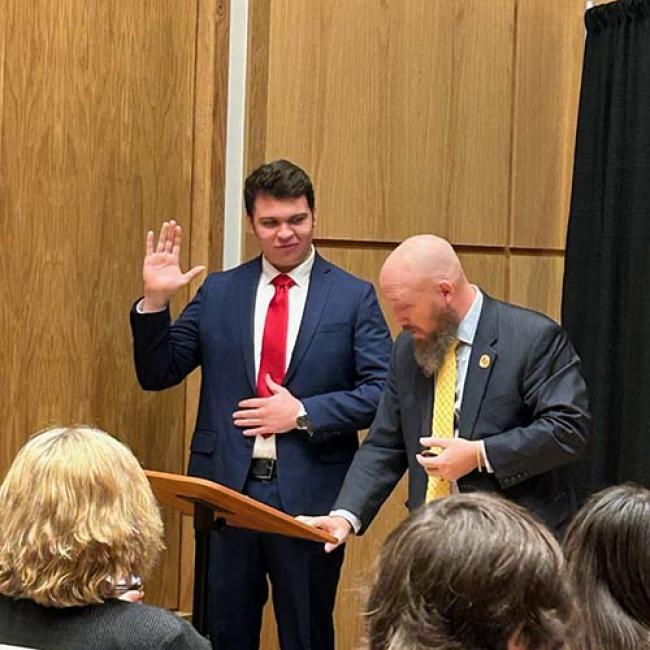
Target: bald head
{"x": 424, "y": 274}
{"x": 422, "y": 257}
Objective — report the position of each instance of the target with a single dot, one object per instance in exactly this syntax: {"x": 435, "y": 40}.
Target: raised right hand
{"x": 161, "y": 271}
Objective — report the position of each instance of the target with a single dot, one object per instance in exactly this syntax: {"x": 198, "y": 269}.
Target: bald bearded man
{"x": 517, "y": 403}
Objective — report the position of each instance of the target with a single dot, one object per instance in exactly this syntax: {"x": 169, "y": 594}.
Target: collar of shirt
{"x": 467, "y": 327}
{"x": 300, "y": 274}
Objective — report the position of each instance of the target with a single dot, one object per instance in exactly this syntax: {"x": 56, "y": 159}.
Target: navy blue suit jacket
{"x": 528, "y": 405}
{"x": 338, "y": 370}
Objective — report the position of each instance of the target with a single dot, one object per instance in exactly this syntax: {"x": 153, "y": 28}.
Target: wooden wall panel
{"x": 536, "y": 282}
{"x": 387, "y": 105}
{"x": 206, "y": 225}
{"x": 95, "y": 148}
{"x": 478, "y": 155}
{"x": 487, "y": 270}
{"x": 363, "y": 262}
{"x": 549, "y": 56}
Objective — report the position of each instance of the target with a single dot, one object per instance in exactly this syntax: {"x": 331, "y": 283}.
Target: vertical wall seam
{"x": 235, "y": 134}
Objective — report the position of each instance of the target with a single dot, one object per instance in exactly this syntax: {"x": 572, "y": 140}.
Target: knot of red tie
{"x": 282, "y": 281}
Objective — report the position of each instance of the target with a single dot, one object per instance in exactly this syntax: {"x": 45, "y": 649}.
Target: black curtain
{"x": 606, "y": 298}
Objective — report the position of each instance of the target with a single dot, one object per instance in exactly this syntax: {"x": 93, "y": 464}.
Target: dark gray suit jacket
{"x": 529, "y": 405}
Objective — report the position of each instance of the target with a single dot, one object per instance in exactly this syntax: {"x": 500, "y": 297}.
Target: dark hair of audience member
{"x": 469, "y": 572}
{"x": 607, "y": 547}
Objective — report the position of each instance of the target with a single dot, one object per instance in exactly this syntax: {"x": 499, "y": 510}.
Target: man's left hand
{"x": 265, "y": 415}
{"x": 457, "y": 458}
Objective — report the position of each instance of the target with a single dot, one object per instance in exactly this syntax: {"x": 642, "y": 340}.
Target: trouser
{"x": 303, "y": 580}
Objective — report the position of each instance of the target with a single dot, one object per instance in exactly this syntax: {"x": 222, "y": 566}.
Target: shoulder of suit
{"x": 513, "y": 315}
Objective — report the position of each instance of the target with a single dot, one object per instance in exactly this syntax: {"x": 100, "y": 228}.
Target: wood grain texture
{"x": 95, "y": 148}
{"x": 257, "y": 88}
{"x": 257, "y": 80}
{"x": 547, "y": 81}
{"x": 400, "y": 111}
{"x": 487, "y": 270}
{"x": 536, "y": 282}
{"x": 206, "y": 225}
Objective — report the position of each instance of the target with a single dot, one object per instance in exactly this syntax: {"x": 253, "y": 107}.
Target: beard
{"x": 430, "y": 352}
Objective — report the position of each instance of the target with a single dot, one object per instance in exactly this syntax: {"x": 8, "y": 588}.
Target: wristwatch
{"x": 304, "y": 424}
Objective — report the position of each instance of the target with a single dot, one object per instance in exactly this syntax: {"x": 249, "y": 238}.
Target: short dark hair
{"x": 469, "y": 571}
{"x": 607, "y": 547}
{"x": 280, "y": 179}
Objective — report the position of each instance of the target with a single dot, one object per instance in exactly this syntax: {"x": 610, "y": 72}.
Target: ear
{"x": 446, "y": 289}
{"x": 249, "y": 224}
{"x": 313, "y": 217}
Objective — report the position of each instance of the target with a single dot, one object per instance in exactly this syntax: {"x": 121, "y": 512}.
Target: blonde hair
{"x": 76, "y": 515}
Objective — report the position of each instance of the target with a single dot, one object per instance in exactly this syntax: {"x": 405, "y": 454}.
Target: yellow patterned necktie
{"x": 443, "y": 415}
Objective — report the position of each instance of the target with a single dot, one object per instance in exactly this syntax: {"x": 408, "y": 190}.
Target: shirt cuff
{"x": 486, "y": 460}
{"x": 139, "y": 310}
{"x": 352, "y": 519}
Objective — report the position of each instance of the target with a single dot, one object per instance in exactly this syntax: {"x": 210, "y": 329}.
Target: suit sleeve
{"x": 555, "y": 394}
{"x": 165, "y": 353}
{"x": 341, "y": 411}
{"x": 381, "y": 460}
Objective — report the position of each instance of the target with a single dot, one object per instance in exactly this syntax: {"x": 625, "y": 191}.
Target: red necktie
{"x": 274, "y": 342}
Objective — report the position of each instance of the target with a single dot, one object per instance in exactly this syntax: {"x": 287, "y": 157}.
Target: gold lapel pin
{"x": 484, "y": 361}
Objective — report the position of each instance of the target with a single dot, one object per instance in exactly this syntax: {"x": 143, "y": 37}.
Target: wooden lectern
{"x": 214, "y": 506}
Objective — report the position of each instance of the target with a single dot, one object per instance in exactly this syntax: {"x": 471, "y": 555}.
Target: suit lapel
{"x": 424, "y": 395}
{"x": 424, "y": 399}
{"x": 481, "y": 362}
{"x": 247, "y": 290}
{"x": 320, "y": 284}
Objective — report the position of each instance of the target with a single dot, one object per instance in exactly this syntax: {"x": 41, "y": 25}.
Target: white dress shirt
{"x": 265, "y": 447}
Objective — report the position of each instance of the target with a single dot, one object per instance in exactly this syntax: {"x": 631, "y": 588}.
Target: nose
{"x": 285, "y": 231}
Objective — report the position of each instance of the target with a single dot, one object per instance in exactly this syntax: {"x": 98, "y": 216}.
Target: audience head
{"x": 425, "y": 285}
{"x": 469, "y": 572}
{"x": 77, "y": 515}
{"x": 607, "y": 547}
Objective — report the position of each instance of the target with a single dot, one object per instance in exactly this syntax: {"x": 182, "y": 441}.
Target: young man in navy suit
{"x": 294, "y": 354}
